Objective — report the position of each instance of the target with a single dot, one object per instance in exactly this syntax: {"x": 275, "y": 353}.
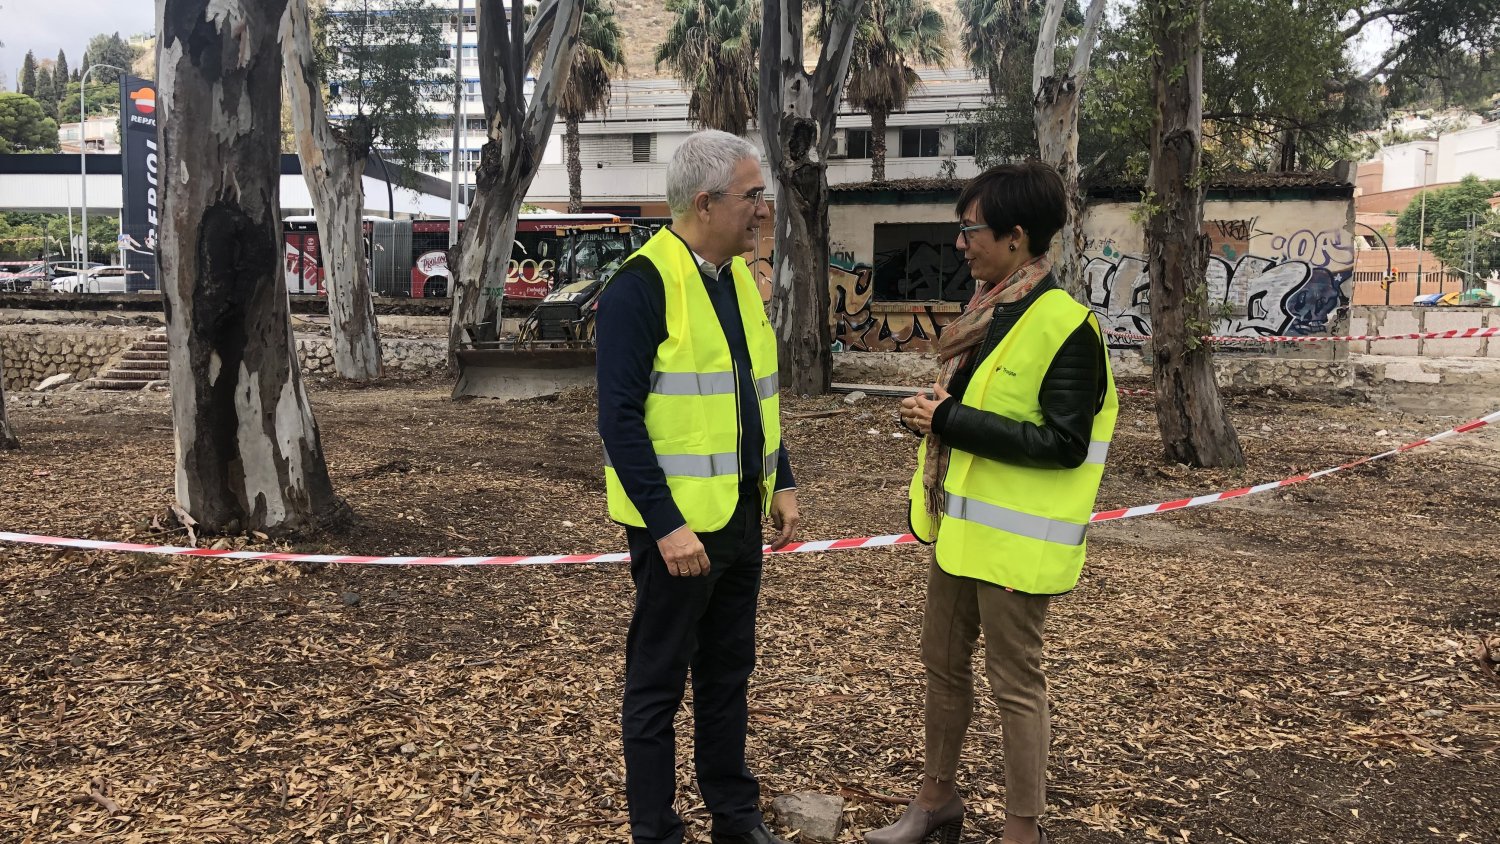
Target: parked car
{"x": 107, "y": 279}
{"x": 19, "y": 276}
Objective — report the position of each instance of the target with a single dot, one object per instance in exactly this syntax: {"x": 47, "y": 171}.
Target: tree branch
{"x": 833, "y": 68}
{"x": 1389, "y": 59}
{"x": 1087, "y": 39}
{"x": 494, "y": 60}
{"x": 1045, "y": 61}
{"x": 540, "y": 31}
{"x": 561, "y": 45}
{"x": 1370, "y": 17}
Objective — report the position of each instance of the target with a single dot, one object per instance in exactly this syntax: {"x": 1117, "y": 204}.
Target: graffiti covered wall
{"x": 863, "y": 324}
{"x": 1277, "y": 267}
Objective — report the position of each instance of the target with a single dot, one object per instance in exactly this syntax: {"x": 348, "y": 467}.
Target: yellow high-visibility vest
{"x": 1015, "y": 526}
{"x": 692, "y": 411}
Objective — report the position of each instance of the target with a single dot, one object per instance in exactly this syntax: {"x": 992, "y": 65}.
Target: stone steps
{"x": 142, "y": 364}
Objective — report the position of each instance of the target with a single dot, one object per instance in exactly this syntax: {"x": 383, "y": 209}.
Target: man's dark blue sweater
{"x": 631, "y": 324}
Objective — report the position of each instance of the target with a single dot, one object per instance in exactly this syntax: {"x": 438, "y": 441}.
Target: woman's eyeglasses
{"x": 963, "y": 231}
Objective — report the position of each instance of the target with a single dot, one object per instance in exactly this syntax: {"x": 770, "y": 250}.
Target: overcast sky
{"x": 46, "y": 26}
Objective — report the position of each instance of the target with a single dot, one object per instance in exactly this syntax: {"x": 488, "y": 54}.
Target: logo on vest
{"x": 1010, "y": 372}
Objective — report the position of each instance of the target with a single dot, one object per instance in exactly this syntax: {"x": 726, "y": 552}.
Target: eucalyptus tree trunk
{"x": 518, "y": 134}
{"x": 575, "y": 165}
{"x": 333, "y": 168}
{"x": 877, "y": 145}
{"x": 797, "y": 112}
{"x": 1056, "y": 100}
{"x": 8, "y": 439}
{"x": 1194, "y": 426}
{"x": 248, "y": 453}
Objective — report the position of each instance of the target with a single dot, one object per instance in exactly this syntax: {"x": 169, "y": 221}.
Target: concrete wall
{"x": 30, "y": 353}
{"x": 1277, "y": 267}
{"x": 1393, "y": 320}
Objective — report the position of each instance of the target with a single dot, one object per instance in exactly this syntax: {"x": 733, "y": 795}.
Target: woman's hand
{"x": 917, "y": 410}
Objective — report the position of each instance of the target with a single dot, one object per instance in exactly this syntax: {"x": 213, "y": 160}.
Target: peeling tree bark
{"x": 248, "y": 452}
{"x": 510, "y": 158}
{"x": 1056, "y": 101}
{"x": 797, "y": 112}
{"x": 333, "y": 167}
{"x": 1194, "y": 427}
{"x": 8, "y": 439}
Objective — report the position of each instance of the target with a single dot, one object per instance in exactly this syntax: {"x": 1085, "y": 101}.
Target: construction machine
{"x": 554, "y": 346}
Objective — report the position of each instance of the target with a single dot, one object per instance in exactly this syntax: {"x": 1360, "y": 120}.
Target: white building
{"x": 625, "y": 149}
{"x": 1474, "y": 151}
{"x": 102, "y": 132}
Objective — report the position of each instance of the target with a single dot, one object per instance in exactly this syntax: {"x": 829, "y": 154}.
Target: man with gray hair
{"x": 689, "y": 412}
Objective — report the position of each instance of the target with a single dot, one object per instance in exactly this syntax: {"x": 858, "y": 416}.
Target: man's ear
{"x": 701, "y": 201}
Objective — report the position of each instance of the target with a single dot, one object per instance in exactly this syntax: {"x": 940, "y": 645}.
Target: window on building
{"x": 606, "y": 149}
{"x": 861, "y": 143}
{"x": 643, "y": 147}
{"x": 471, "y": 91}
{"x": 476, "y": 124}
{"x": 918, "y": 262}
{"x": 921, "y": 142}
{"x": 965, "y": 140}
{"x": 468, "y": 159}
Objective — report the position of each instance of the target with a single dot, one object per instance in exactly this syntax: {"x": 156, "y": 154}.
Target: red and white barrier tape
{"x": 1455, "y": 334}
{"x": 793, "y": 548}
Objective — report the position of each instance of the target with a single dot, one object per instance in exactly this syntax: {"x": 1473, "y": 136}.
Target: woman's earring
{"x": 1012, "y": 247}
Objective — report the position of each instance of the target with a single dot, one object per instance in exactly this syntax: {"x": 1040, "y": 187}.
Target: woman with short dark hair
{"x": 1016, "y": 433}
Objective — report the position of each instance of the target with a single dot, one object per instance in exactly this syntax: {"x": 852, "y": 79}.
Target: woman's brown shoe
{"x": 917, "y": 825}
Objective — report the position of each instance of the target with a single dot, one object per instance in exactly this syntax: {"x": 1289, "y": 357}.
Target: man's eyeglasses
{"x": 755, "y": 197}
{"x": 963, "y": 231}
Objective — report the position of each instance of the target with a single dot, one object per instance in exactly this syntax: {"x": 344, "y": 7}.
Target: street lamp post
{"x": 1422, "y": 226}
{"x": 83, "y": 148}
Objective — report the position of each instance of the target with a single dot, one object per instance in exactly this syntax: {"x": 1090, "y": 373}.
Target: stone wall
{"x": 31, "y": 353}
{"x": 316, "y": 355}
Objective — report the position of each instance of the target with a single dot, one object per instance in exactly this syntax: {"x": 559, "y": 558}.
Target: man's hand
{"x": 683, "y": 552}
{"x": 917, "y": 410}
{"x": 784, "y": 517}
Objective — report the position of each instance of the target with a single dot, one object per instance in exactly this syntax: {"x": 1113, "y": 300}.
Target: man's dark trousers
{"x": 706, "y": 623}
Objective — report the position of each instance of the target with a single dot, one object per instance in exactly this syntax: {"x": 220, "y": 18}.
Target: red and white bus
{"x": 409, "y": 258}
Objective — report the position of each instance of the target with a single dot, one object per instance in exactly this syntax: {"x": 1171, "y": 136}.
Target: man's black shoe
{"x": 759, "y": 835}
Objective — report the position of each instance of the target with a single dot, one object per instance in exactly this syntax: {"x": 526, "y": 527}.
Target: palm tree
{"x": 599, "y": 52}
{"x": 894, "y": 33}
{"x": 992, "y": 29}
{"x": 713, "y": 47}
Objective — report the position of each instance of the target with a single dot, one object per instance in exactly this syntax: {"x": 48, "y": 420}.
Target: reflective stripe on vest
{"x": 694, "y": 465}
{"x": 1013, "y": 521}
{"x": 1098, "y": 451}
{"x": 709, "y": 384}
{"x": 693, "y": 383}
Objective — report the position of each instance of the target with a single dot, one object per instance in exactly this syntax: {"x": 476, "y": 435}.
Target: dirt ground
{"x": 1290, "y": 667}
